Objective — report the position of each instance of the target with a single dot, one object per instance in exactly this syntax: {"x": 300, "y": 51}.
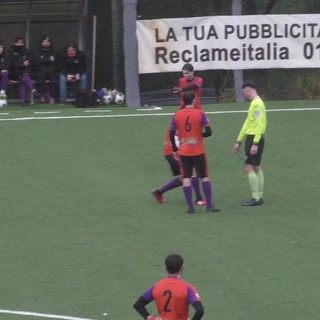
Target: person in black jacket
{"x": 72, "y": 69}
{"x": 4, "y": 71}
{"x": 20, "y": 68}
{"x": 46, "y": 70}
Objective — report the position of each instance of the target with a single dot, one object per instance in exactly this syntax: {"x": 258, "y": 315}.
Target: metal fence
{"x": 65, "y": 20}
{"x": 32, "y": 20}
{"x": 277, "y": 84}
{"x": 109, "y": 45}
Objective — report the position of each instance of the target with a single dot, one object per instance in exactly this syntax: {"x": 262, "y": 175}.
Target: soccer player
{"x": 175, "y": 165}
{"x": 253, "y": 129}
{"x": 189, "y": 122}
{"x": 189, "y": 82}
{"x": 172, "y": 295}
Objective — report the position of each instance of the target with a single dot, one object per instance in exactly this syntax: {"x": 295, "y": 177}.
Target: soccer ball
{"x": 119, "y": 98}
{"x": 108, "y": 99}
{"x": 3, "y": 103}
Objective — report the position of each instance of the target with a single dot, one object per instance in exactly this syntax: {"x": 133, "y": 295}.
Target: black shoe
{"x": 252, "y": 202}
{"x": 24, "y": 104}
{"x": 191, "y": 211}
{"x": 213, "y": 209}
{"x": 261, "y": 200}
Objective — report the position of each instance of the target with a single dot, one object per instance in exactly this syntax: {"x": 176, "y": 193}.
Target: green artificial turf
{"x": 82, "y": 236}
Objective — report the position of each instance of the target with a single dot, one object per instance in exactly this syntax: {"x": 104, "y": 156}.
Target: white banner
{"x": 229, "y": 42}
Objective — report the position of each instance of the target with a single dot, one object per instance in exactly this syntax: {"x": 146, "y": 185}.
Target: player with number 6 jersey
{"x": 189, "y": 122}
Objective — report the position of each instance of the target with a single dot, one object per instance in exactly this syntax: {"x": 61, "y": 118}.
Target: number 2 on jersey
{"x": 166, "y": 305}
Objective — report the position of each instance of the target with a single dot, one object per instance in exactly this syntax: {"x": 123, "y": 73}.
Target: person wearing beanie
{"x": 20, "y": 68}
{"x": 4, "y": 71}
{"x": 72, "y": 69}
{"x": 46, "y": 70}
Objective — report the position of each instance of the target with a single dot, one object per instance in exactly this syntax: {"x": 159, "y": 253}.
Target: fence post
{"x": 115, "y": 9}
{"x": 131, "y": 53}
{"x": 237, "y": 74}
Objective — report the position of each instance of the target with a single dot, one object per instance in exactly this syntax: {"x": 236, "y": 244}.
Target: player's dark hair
{"x": 173, "y": 263}
{"x": 188, "y": 67}
{"x": 72, "y": 44}
{"x": 45, "y": 38}
{"x": 16, "y": 39}
{"x": 249, "y": 84}
{"x": 188, "y": 97}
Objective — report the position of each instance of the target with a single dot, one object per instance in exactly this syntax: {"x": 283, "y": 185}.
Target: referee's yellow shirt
{"x": 256, "y": 122}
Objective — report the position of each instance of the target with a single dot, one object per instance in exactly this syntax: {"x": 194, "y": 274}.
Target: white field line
{"x": 144, "y": 115}
{"x": 43, "y": 315}
{"x": 149, "y": 109}
{"x": 46, "y": 112}
{"x": 97, "y": 111}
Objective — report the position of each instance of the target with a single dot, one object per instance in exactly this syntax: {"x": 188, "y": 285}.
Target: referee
{"x": 253, "y": 130}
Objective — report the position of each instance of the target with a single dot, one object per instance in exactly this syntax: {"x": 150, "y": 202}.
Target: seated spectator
{"x": 4, "y": 71}
{"x": 46, "y": 71}
{"x": 72, "y": 69}
{"x": 20, "y": 67}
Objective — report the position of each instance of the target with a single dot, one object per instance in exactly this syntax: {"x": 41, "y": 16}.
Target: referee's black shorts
{"x": 253, "y": 159}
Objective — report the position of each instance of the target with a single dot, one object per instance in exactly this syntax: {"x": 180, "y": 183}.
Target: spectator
{"x": 20, "y": 67}
{"x": 46, "y": 71}
{"x": 73, "y": 69}
{"x": 4, "y": 71}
